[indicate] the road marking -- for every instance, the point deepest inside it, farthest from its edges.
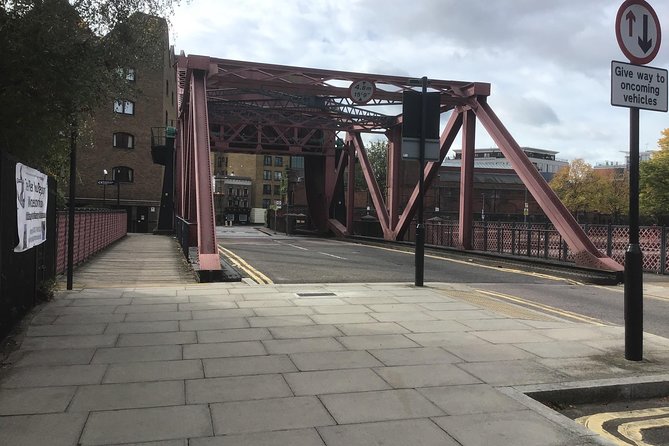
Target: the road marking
(295, 246)
(245, 266)
(496, 268)
(646, 294)
(633, 430)
(332, 255)
(630, 430)
(543, 307)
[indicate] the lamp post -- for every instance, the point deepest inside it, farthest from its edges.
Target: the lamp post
(483, 206)
(104, 189)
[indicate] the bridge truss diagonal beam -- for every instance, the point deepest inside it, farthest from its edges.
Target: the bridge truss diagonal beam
(585, 251)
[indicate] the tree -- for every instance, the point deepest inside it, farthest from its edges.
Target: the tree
(614, 194)
(60, 62)
(654, 184)
(578, 186)
(377, 154)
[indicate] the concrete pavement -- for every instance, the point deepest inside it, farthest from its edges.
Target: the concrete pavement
(302, 365)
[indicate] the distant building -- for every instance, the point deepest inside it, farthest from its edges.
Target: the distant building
(493, 158)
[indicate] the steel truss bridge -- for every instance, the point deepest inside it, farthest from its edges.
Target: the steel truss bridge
(235, 106)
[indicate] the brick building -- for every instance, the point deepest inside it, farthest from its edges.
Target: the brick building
(121, 146)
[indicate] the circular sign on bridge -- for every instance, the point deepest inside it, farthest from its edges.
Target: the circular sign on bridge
(638, 31)
(362, 91)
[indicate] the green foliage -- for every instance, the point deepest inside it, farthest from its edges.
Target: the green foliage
(582, 189)
(60, 63)
(654, 184)
(377, 154)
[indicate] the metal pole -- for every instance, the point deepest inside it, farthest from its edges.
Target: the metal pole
(420, 226)
(70, 218)
(104, 190)
(118, 189)
(633, 255)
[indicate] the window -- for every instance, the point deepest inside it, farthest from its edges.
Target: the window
(246, 191)
(278, 161)
(229, 192)
(267, 189)
(122, 174)
(124, 140)
(124, 107)
(127, 73)
(267, 161)
(265, 203)
(277, 190)
(245, 203)
(167, 87)
(277, 175)
(266, 174)
(297, 162)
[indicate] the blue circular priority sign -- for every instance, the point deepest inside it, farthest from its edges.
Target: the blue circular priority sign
(638, 31)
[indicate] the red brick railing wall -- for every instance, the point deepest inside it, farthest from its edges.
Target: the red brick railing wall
(94, 230)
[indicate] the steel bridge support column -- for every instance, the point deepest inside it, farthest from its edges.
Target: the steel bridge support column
(394, 136)
(204, 199)
(350, 199)
(467, 179)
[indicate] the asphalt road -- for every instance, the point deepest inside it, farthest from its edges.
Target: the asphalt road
(285, 259)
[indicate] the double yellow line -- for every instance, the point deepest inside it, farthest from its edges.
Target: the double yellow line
(242, 264)
(545, 308)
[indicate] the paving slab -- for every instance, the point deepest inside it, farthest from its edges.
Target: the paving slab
(287, 346)
(223, 350)
(334, 381)
(373, 328)
(143, 327)
(236, 388)
(161, 316)
(479, 352)
(214, 324)
(32, 430)
(470, 399)
(53, 375)
(522, 427)
(411, 376)
(421, 432)
(279, 321)
(137, 354)
(305, 331)
(376, 342)
(269, 415)
(249, 365)
(28, 401)
(144, 425)
(127, 396)
(296, 437)
(334, 360)
(58, 342)
(62, 330)
(510, 373)
(383, 405)
(154, 371)
(146, 339)
(233, 335)
(52, 357)
(414, 356)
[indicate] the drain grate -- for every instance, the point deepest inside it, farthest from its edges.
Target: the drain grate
(309, 295)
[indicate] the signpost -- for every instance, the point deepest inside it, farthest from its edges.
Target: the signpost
(420, 141)
(634, 86)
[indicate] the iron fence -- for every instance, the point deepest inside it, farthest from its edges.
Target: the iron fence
(541, 240)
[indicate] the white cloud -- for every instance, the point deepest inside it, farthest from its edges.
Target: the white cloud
(548, 61)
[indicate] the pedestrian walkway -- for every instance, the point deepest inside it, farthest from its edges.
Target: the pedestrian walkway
(136, 260)
(301, 365)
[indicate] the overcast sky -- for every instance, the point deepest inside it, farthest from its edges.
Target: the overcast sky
(548, 60)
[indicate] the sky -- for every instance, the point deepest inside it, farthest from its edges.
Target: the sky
(548, 61)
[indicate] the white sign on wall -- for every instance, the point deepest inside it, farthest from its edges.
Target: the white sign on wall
(638, 86)
(31, 203)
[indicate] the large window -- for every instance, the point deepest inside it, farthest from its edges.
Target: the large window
(123, 174)
(277, 175)
(278, 161)
(124, 140)
(267, 189)
(124, 107)
(267, 160)
(266, 174)
(297, 162)
(265, 203)
(277, 189)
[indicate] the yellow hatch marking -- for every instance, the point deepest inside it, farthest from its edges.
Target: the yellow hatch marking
(245, 266)
(630, 430)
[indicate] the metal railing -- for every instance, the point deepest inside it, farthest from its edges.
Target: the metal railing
(543, 241)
